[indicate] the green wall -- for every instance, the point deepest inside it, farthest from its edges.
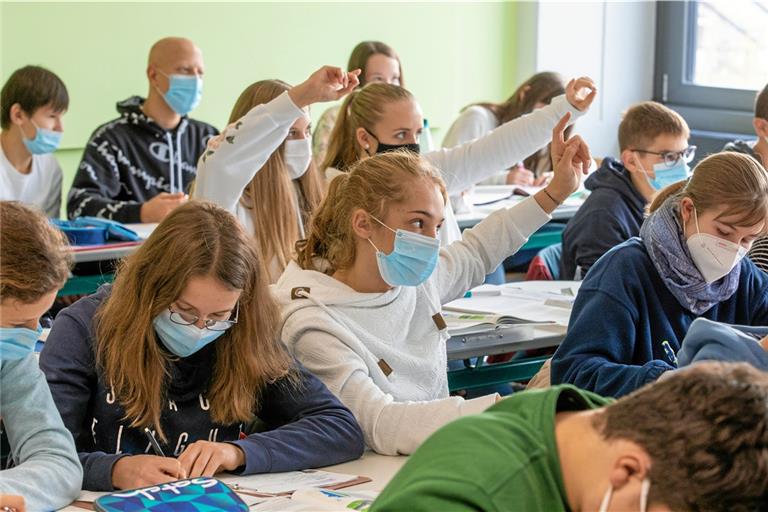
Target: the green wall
(452, 53)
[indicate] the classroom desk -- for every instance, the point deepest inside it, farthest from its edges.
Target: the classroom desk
(379, 468)
(472, 348)
(481, 194)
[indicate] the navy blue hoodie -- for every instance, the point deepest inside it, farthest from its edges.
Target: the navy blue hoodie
(298, 427)
(626, 327)
(612, 214)
(131, 159)
(714, 341)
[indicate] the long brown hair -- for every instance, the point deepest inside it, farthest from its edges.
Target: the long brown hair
(540, 88)
(34, 256)
(358, 59)
(362, 108)
(271, 195)
(371, 184)
(732, 179)
(196, 239)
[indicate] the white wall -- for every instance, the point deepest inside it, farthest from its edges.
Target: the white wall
(612, 42)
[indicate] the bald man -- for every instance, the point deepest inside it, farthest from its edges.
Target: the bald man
(137, 168)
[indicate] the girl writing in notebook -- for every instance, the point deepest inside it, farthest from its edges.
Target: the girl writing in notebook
(640, 298)
(260, 168)
(185, 344)
(384, 117)
(34, 263)
(361, 304)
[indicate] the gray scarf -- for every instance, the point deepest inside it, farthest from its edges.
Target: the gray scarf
(663, 238)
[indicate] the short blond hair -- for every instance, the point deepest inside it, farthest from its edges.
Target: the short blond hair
(643, 122)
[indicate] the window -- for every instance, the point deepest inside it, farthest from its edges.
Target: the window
(711, 58)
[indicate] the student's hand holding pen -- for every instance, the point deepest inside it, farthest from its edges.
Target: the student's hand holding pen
(143, 470)
(205, 458)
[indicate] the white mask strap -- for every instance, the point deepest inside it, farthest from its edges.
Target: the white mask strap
(373, 244)
(606, 500)
(644, 489)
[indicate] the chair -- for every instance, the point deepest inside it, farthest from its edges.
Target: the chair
(545, 266)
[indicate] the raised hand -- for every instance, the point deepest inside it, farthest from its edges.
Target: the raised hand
(577, 95)
(557, 147)
(328, 83)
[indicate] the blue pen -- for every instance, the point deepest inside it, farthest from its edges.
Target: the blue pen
(152, 441)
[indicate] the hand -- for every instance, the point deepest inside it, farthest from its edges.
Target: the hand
(328, 83)
(543, 179)
(12, 502)
(136, 471)
(520, 176)
(204, 458)
(157, 208)
(576, 95)
(557, 147)
(570, 168)
(764, 343)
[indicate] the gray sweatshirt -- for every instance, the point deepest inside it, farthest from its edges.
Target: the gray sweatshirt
(47, 471)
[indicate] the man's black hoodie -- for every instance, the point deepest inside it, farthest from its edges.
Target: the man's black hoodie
(131, 159)
(612, 214)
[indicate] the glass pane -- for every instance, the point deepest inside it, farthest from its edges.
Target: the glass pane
(731, 44)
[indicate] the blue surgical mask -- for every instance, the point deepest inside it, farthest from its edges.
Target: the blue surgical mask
(184, 93)
(44, 142)
(412, 261)
(182, 340)
(666, 176)
(18, 342)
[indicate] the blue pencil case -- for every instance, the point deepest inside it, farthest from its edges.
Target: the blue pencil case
(94, 231)
(191, 495)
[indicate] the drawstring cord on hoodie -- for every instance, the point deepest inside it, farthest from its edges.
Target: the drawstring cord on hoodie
(174, 163)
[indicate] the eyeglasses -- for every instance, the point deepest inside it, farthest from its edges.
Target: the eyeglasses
(671, 157)
(180, 318)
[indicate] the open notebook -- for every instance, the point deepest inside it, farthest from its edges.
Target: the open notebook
(546, 302)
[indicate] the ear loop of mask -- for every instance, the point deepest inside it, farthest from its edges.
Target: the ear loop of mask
(367, 152)
(389, 228)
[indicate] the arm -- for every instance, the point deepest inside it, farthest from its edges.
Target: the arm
(512, 142)
(47, 471)
(68, 363)
(390, 427)
(599, 344)
(97, 183)
(465, 263)
(233, 158)
(311, 429)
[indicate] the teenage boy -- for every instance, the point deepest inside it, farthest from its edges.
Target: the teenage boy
(692, 441)
(653, 141)
(137, 168)
(32, 103)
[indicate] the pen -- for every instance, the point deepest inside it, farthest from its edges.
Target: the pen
(155, 446)
(482, 293)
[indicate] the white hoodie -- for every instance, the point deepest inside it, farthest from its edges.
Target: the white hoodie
(351, 340)
(465, 165)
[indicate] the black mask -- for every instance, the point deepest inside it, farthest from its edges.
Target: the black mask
(388, 148)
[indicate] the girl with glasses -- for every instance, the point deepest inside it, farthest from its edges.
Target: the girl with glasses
(185, 345)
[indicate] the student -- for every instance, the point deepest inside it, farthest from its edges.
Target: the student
(481, 118)
(381, 118)
(136, 168)
(32, 103)
(563, 449)
(34, 263)
(185, 344)
(361, 304)
(378, 62)
(759, 253)
(260, 168)
(653, 141)
(758, 148)
(638, 300)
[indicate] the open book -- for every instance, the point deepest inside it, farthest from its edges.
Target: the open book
(463, 323)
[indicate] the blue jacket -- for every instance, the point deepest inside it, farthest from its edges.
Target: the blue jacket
(299, 428)
(626, 327)
(712, 341)
(612, 214)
